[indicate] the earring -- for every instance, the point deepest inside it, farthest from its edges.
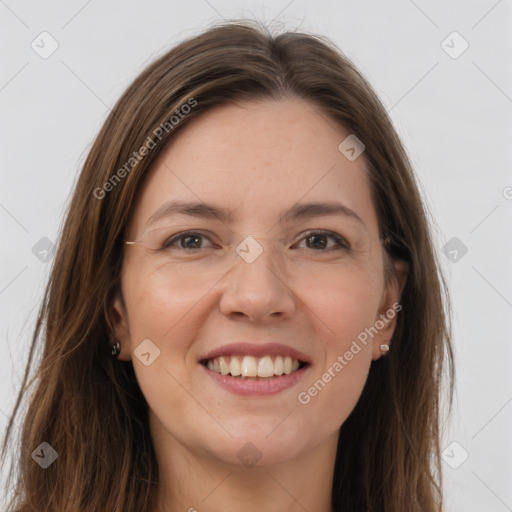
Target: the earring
(387, 242)
(116, 349)
(385, 349)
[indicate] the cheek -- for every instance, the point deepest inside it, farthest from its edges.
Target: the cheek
(331, 397)
(345, 302)
(160, 304)
(345, 306)
(162, 313)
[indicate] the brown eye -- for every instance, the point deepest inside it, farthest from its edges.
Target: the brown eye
(188, 240)
(318, 240)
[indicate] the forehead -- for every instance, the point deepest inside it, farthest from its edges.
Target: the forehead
(258, 159)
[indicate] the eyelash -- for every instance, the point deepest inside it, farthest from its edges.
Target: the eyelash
(341, 242)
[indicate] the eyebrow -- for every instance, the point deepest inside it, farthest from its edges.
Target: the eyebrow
(210, 211)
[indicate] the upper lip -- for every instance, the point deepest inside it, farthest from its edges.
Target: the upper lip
(256, 350)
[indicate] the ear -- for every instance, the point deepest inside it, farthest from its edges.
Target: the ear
(119, 323)
(386, 319)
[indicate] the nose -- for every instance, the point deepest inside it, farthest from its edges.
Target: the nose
(257, 286)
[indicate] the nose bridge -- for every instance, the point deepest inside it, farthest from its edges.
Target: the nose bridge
(255, 285)
(252, 247)
(260, 257)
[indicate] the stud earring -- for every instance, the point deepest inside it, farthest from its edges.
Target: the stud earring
(116, 349)
(385, 349)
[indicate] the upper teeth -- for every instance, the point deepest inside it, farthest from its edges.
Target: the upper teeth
(249, 366)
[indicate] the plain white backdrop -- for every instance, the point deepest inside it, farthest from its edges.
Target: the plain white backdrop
(443, 71)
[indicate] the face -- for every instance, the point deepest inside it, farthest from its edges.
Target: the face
(253, 292)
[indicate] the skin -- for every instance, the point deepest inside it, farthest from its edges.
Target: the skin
(259, 159)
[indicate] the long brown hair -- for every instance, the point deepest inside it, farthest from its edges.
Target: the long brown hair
(88, 406)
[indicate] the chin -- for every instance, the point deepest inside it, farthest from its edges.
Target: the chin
(264, 444)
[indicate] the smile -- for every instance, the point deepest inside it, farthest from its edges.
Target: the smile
(255, 369)
(250, 367)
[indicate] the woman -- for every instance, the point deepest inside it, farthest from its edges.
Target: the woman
(245, 310)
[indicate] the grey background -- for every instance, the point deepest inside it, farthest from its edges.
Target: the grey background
(453, 114)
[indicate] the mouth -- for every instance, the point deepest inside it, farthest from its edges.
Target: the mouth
(255, 369)
(246, 367)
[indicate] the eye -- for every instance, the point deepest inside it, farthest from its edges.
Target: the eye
(191, 240)
(317, 240)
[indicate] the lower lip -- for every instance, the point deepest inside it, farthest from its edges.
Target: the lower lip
(247, 387)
